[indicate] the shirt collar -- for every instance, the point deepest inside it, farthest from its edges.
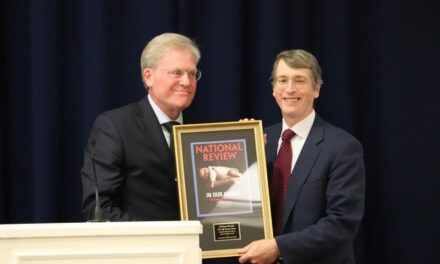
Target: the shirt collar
(303, 127)
(161, 116)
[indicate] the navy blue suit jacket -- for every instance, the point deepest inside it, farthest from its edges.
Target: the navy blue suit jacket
(134, 167)
(325, 197)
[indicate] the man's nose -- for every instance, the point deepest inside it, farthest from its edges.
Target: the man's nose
(185, 79)
(291, 86)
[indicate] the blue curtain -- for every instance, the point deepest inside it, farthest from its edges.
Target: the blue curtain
(64, 62)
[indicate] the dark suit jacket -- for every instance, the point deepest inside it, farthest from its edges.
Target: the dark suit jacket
(325, 196)
(134, 167)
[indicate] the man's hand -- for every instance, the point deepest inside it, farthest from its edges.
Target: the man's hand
(264, 251)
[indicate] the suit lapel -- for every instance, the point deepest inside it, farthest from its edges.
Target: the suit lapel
(273, 135)
(304, 165)
(149, 125)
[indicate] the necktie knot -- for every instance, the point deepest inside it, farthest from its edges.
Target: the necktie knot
(287, 134)
(169, 125)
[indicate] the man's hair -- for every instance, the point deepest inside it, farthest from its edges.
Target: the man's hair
(159, 45)
(299, 59)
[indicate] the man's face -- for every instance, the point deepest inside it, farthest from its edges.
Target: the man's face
(170, 93)
(294, 92)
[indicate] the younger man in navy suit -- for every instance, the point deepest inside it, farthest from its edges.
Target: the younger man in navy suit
(318, 215)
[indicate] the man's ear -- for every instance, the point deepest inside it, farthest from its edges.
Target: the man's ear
(317, 90)
(147, 76)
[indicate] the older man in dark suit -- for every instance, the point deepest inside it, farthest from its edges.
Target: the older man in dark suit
(316, 171)
(130, 145)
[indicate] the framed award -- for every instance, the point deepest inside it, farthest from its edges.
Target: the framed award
(222, 182)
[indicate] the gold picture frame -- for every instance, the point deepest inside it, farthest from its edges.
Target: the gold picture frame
(222, 182)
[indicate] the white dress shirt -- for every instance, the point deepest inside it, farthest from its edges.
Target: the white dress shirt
(163, 118)
(302, 130)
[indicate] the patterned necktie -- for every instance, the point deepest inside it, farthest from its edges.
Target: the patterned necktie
(280, 179)
(169, 126)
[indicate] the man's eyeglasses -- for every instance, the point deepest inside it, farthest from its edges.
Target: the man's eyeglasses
(193, 75)
(283, 82)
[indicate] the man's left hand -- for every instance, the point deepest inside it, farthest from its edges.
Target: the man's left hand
(264, 251)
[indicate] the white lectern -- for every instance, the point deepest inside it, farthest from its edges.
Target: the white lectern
(104, 243)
